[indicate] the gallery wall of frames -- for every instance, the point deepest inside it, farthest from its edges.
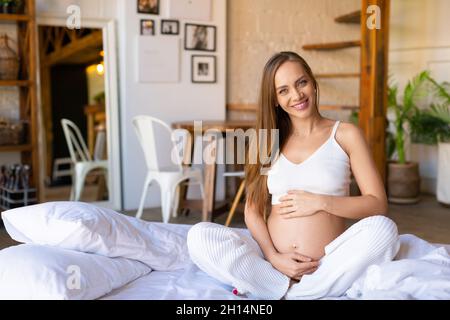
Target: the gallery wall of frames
(200, 38)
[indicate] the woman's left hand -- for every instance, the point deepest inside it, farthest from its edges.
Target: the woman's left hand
(299, 203)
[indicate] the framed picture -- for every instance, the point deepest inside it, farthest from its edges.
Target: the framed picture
(148, 6)
(203, 69)
(147, 27)
(170, 27)
(199, 37)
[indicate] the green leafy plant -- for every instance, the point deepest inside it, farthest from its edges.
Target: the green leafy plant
(428, 128)
(441, 109)
(405, 111)
(433, 125)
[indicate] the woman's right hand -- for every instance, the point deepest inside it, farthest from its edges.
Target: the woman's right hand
(293, 264)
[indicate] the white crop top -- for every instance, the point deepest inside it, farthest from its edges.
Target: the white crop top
(326, 171)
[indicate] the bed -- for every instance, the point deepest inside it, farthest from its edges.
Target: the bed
(123, 258)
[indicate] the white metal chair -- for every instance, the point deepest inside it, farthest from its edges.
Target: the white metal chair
(82, 160)
(168, 178)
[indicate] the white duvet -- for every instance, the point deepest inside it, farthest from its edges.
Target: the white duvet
(420, 271)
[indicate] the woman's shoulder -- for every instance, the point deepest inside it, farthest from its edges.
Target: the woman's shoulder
(347, 134)
(344, 128)
(348, 128)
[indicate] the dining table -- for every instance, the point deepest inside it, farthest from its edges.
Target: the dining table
(209, 207)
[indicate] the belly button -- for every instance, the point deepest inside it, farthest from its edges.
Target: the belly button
(294, 246)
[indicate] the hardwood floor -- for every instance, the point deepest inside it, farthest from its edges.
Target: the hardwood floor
(428, 219)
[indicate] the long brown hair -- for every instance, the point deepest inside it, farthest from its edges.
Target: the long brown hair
(270, 117)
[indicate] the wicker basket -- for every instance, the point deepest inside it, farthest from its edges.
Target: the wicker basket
(9, 60)
(12, 133)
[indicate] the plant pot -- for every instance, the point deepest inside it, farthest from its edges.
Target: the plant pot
(403, 183)
(443, 176)
(427, 158)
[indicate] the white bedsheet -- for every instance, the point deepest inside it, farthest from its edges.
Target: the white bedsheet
(423, 272)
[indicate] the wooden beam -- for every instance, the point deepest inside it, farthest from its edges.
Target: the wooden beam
(336, 75)
(332, 45)
(46, 101)
(242, 107)
(252, 107)
(14, 17)
(92, 40)
(352, 17)
(14, 83)
(373, 85)
(32, 74)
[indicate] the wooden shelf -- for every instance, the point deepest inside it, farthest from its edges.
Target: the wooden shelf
(242, 107)
(352, 17)
(337, 107)
(14, 83)
(252, 107)
(26, 40)
(14, 17)
(16, 148)
(337, 75)
(332, 45)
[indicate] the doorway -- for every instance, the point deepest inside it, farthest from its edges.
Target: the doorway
(78, 82)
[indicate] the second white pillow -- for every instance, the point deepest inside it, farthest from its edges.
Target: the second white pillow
(30, 271)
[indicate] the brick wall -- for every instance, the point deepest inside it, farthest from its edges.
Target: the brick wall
(259, 28)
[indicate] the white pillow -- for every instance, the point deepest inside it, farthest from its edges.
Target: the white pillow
(88, 228)
(30, 271)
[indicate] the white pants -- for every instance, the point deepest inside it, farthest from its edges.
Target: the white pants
(236, 259)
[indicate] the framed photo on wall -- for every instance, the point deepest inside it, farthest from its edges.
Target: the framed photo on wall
(199, 37)
(147, 27)
(203, 69)
(170, 27)
(148, 6)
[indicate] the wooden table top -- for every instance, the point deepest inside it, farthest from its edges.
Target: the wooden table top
(215, 124)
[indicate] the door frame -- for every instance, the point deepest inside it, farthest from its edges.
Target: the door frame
(109, 34)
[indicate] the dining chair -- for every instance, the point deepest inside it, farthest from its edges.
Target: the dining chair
(168, 177)
(81, 158)
(238, 196)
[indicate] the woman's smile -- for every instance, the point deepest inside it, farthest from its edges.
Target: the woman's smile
(302, 105)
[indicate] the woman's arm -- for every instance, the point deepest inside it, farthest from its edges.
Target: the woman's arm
(258, 228)
(373, 200)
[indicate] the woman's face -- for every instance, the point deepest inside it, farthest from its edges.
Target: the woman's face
(295, 90)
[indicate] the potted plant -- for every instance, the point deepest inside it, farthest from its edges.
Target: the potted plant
(403, 176)
(441, 110)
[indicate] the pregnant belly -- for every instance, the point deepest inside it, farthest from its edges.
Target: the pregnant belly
(306, 235)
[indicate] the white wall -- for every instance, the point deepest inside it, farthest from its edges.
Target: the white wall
(92, 9)
(170, 102)
(167, 101)
(419, 41)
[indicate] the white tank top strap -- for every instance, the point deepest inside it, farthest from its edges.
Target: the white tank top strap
(333, 133)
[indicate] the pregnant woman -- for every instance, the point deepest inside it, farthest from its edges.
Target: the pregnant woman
(296, 209)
